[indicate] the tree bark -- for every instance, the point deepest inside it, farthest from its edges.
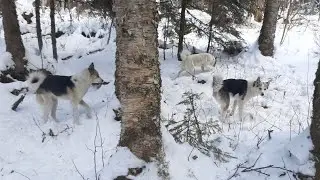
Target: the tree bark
(315, 122)
(267, 33)
(137, 75)
(110, 30)
(213, 4)
(38, 25)
(13, 39)
(182, 26)
(53, 30)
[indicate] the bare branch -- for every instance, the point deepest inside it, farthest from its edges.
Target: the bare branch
(78, 170)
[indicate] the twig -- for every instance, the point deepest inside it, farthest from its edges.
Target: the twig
(284, 165)
(269, 133)
(102, 83)
(249, 169)
(95, 152)
(260, 140)
(255, 169)
(78, 170)
(95, 148)
(65, 129)
(13, 171)
(43, 133)
(254, 164)
(101, 143)
(190, 153)
(236, 172)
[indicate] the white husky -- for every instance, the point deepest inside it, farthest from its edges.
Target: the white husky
(48, 88)
(190, 61)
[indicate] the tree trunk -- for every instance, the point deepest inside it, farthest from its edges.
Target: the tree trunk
(267, 33)
(38, 25)
(213, 4)
(13, 39)
(315, 123)
(66, 4)
(137, 75)
(182, 26)
(53, 30)
(110, 30)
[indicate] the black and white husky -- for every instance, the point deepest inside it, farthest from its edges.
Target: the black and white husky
(241, 90)
(48, 88)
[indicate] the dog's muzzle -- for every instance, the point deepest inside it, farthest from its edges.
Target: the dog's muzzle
(96, 85)
(262, 94)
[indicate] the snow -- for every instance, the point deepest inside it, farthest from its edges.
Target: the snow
(6, 61)
(285, 109)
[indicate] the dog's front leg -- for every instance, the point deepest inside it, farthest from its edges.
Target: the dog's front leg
(88, 109)
(54, 109)
(235, 102)
(202, 68)
(75, 113)
(47, 104)
(46, 111)
(179, 73)
(241, 104)
(224, 110)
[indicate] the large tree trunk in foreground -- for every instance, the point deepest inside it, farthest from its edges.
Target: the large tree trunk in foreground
(13, 39)
(53, 30)
(315, 123)
(267, 33)
(137, 75)
(182, 26)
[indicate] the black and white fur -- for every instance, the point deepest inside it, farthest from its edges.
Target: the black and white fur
(190, 61)
(240, 89)
(48, 88)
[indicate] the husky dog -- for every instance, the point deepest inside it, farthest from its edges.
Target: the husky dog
(48, 88)
(241, 90)
(190, 61)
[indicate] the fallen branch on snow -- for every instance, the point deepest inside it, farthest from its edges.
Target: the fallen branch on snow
(16, 104)
(17, 92)
(296, 175)
(88, 53)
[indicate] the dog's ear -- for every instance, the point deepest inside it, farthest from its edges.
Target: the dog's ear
(257, 82)
(91, 68)
(258, 79)
(268, 83)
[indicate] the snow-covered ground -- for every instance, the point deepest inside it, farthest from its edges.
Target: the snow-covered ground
(27, 150)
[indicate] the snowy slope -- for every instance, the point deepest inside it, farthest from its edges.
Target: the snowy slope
(25, 153)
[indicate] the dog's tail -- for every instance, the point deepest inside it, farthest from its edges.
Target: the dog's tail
(34, 81)
(217, 83)
(184, 54)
